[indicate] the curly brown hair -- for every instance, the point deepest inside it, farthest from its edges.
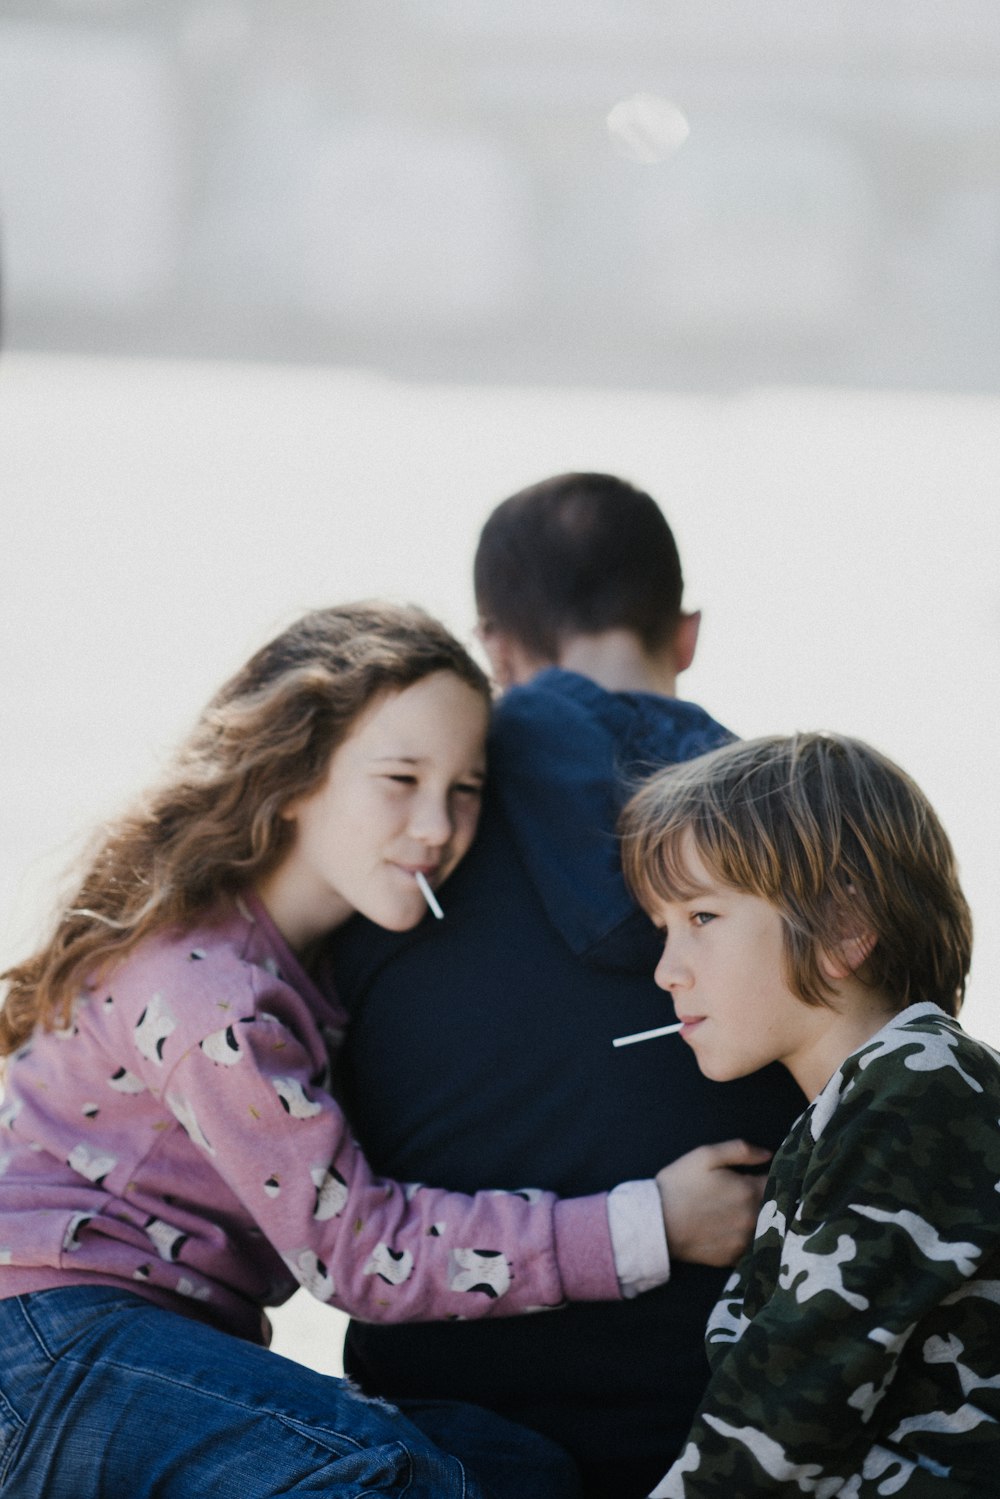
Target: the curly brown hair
(214, 824)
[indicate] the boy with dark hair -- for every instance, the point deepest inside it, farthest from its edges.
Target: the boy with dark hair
(578, 555)
(811, 914)
(480, 1048)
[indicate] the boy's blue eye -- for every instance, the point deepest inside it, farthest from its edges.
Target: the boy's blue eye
(702, 918)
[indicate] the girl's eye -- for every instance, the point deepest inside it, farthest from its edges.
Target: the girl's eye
(702, 918)
(470, 788)
(402, 780)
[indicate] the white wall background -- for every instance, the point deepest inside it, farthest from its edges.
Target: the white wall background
(160, 520)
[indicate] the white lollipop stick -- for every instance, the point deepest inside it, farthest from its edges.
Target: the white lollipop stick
(428, 895)
(661, 1030)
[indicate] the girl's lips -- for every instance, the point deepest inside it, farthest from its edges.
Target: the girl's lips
(689, 1024)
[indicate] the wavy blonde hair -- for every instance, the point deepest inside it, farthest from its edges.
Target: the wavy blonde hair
(831, 833)
(214, 825)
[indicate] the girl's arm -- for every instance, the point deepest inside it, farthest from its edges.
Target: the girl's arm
(381, 1251)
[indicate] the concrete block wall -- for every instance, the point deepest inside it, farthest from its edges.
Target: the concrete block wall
(429, 186)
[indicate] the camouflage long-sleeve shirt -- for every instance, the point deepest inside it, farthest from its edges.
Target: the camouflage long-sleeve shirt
(856, 1351)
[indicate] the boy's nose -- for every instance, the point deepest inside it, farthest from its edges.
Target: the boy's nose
(669, 972)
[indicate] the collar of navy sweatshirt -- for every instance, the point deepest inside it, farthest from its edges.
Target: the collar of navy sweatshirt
(564, 755)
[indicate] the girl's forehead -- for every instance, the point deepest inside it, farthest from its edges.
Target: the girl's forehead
(438, 713)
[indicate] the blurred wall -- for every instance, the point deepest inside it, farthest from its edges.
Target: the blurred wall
(430, 187)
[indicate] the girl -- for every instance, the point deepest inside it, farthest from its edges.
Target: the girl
(171, 1158)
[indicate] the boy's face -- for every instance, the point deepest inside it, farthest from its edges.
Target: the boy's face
(723, 963)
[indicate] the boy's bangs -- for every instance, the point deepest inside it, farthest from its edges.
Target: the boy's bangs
(661, 869)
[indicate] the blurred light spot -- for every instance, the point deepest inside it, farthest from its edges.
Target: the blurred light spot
(647, 128)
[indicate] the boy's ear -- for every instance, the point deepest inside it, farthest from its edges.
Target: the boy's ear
(686, 640)
(846, 956)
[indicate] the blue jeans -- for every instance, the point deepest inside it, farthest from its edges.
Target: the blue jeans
(105, 1396)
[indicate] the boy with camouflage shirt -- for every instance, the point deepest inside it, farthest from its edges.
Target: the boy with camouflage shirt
(812, 915)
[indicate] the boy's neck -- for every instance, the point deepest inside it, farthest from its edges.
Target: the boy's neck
(617, 661)
(856, 1015)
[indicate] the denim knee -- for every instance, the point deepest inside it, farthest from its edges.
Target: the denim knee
(104, 1394)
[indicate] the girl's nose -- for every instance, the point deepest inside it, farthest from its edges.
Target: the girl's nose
(431, 823)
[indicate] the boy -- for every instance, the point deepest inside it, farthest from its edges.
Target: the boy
(480, 1046)
(812, 915)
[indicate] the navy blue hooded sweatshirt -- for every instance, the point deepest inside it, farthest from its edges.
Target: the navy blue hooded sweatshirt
(479, 1055)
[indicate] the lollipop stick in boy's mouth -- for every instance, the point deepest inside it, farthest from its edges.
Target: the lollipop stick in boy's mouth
(661, 1030)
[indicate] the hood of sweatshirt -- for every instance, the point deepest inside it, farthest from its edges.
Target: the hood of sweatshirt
(564, 756)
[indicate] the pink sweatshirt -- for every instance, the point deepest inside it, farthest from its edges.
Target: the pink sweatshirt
(178, 1139)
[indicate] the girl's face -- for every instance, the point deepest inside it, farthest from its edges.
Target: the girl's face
(402, 794)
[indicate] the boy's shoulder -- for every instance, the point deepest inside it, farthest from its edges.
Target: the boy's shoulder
(923, 1040)
(922, 1055)
(576, 715)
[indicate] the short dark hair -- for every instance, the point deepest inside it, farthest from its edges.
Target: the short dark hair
(576, 555)
(831, 833)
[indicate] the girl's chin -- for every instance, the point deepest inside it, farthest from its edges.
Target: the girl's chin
(396, 919)
(402, 923)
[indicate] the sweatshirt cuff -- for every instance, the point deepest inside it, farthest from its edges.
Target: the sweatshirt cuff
(638, 1237)
(584, 1252)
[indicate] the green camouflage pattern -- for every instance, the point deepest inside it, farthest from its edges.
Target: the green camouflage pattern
(856, 1351)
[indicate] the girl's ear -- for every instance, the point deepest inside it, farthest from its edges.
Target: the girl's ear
(846, 956)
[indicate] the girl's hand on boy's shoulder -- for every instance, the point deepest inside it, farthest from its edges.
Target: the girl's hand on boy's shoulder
(710, 1201)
